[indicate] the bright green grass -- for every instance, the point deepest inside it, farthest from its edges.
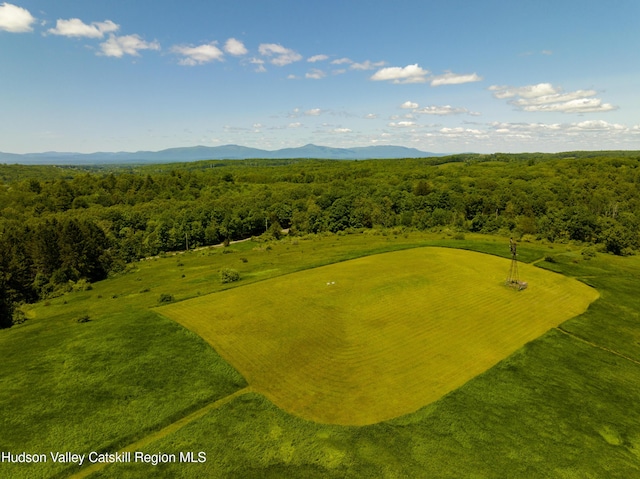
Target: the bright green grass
(556, 408)
(75, 386)
(373, 338)
(68, 386)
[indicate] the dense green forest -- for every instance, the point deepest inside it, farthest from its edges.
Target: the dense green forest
(63, 228)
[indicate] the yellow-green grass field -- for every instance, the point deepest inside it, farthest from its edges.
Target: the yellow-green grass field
(373, 338)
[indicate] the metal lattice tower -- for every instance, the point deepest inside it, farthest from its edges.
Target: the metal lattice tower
(514, 279)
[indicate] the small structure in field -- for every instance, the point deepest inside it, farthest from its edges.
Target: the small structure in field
(513, 280)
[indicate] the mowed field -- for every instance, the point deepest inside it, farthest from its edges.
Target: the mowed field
(370, 339)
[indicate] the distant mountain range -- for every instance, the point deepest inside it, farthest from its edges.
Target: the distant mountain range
(226, 152)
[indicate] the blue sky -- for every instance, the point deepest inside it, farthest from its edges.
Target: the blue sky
(452, 76)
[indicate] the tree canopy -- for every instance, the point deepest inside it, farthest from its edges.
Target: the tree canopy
(59, 226)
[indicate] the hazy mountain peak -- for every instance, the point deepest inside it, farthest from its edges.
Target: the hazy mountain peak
(223, 152)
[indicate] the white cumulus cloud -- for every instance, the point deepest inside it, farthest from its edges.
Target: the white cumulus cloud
(313, 112)
(198, 55)
(342, 130)
(597, 125)
(544, 97)
(408, 74)
(15, 19)
(126, 45)
(450, 78)
(581, 105)
(278, 54)
(74, 27)
(342, 61)
(235, 47)
(556, 98)
(409, 105)
(529, 91)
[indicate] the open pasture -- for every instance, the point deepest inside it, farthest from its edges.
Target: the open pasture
(373, 338)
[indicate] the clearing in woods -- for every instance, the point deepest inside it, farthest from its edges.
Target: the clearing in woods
(373, 338)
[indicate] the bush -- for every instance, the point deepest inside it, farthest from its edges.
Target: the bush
(80, 285)
(228, 275)
(18, 316)
(165, 298)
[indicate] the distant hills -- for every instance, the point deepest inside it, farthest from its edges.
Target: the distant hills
(226, 152)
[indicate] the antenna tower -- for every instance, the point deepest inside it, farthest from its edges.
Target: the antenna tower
(514, 280)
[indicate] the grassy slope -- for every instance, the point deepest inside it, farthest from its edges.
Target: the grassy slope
(388, 334)
(556, 408)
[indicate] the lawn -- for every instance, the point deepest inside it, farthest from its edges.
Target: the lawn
(560, 406)
(373, 338)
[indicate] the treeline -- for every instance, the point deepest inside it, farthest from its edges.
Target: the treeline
(64, 228)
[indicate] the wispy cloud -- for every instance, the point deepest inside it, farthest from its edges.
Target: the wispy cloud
(260, 68)
(441, 110)
(542, 52)
(15, 19)
(366, 65)
(450, 78)
(199, 55)
(544, 97)
(342, 61)
(74, 27)
(315, 74)
(460, 131)
(402, 124)
(317, 58)
(297, 112)
(408, 74)
(126, 45)
(279, 55)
